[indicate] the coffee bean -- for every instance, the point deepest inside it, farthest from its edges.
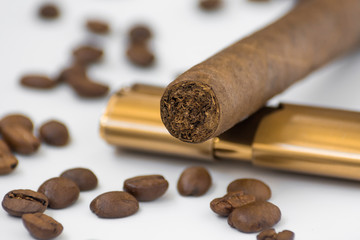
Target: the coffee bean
(249, 186)
(74, 73)
(97, 26)
(270, 234)
(49, 11)
(140, 55)
(42, 226)
(139, 34)
(61, 192)
(116, 204)
(225, 205)
(8, 161)
(254, 217)
(17, 119)
(54, 133)
(87, 54)
(285, 235)
(21, 201)
(83, 177)
(37, 81)
(194, 181)
(89, 89)
(210, 4)
(20, 139)
(146, 188)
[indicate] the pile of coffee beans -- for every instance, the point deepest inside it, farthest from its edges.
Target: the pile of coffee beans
(248, 210)
(138, 50)
(57, 193)
(17, 132)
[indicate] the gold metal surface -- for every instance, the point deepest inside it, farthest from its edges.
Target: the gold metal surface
(310, 140)
(132, 121)
(293, 138)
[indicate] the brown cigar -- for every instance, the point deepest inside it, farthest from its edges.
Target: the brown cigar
(214, 95)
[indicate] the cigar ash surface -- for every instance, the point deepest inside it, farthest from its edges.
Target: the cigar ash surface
(190, 111)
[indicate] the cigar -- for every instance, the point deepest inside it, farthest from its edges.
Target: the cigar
(293, 138)
(214, 95)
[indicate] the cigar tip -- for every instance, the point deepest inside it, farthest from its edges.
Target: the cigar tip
(190, 111)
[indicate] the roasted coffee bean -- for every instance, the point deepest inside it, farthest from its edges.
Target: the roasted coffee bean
(210, 4)
(54, 133)
(87, 54)
(42, 226)
(225, 205)
(268, 234)
(140, 55)
(74, 73)
(194, 181)
(285, 235)
(49, 11)
(21, 201)
(249, 186)
(17, 119)
(139, 34)
(8, 161)
(89, 89)
(97, 26)
(116, 204)
(254, 217)
(83, 177)
(20, 139)
(37, 81)
(146, 188)
(61, 192)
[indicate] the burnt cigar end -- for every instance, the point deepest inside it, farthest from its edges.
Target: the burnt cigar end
(190, 111)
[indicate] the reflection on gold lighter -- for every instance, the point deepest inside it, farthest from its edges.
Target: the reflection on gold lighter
(291, 137)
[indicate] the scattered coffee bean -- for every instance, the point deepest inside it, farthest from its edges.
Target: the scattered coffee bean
(49, 11)
(20, 139)
(254, 187)
(89, 89)
(21, 201)
(54, 133)
(254, 217)
(285, 235)
(61, 192)
(97, 26)
(210, 4)
(42, 226)
(225, 205)
(17, 119)
(83, 177)
(140, 55)
(146, 188)
(87, 54)
(74, 73)
(8, 161)
(37, 81)
(268, 234)
(140, 34)
(194, 181)
(116, 204)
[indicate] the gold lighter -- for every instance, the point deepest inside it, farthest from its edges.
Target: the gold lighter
(290, 137)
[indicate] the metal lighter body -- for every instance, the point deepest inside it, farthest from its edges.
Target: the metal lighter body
(290, 137)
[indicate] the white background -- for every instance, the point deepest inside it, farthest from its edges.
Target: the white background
(312, 207)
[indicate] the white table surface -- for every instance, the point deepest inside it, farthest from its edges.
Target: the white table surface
(313, 207)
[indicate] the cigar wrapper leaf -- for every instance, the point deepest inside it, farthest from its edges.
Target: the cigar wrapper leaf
(214, 95)
(294, 138)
